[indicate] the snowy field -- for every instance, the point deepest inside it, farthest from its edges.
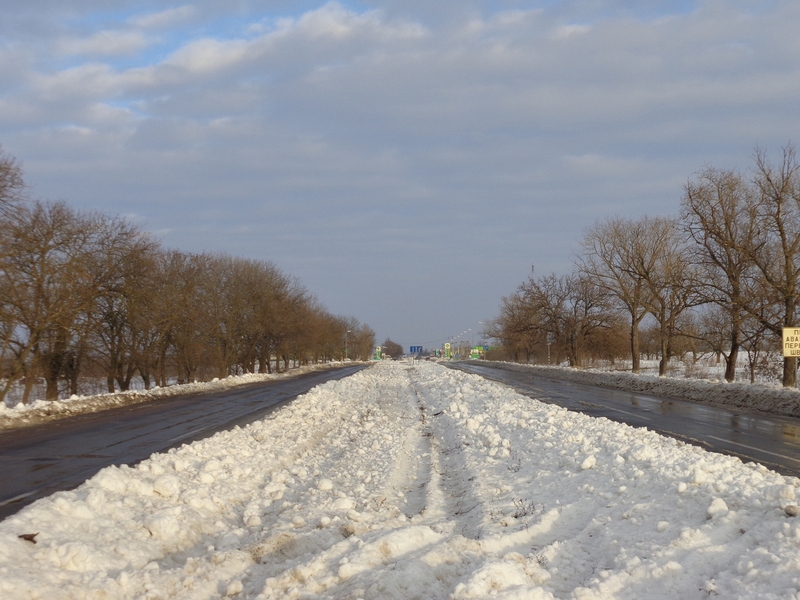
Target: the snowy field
(415, 481)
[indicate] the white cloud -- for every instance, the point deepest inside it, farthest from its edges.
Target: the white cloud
(567, 31)
(164, 18)
(77, 130)
(104, 43)
(518, 123)
(90, 81)
(208, 55)
(598, 164)
(517, 18)
(313, 40)
(333, 21)
(109, 115)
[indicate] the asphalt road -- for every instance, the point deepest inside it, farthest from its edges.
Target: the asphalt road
(773, 441)
(60, 455)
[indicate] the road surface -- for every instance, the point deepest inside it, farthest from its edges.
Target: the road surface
(773, 441)
(40, 460)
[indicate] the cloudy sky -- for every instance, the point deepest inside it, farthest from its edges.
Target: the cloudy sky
(409, 161)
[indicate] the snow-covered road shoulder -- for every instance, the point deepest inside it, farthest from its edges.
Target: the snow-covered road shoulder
(415, 481)
(43, 411)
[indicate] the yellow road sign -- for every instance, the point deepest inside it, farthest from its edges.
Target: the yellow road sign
(791, 341)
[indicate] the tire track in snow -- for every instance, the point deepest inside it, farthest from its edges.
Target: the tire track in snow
(450, 489)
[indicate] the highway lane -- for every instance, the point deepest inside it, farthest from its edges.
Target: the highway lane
(771, 440)
(40, 460)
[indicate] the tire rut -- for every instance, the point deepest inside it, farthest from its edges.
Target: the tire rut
(450, 490)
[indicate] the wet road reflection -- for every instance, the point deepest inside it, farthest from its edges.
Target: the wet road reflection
(771, 440)
(38, 461)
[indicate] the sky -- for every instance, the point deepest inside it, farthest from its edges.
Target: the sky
(408, 161)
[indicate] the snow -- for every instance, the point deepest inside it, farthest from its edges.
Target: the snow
(41, 411)
(750, 397)
(415, 481)
(742, 396)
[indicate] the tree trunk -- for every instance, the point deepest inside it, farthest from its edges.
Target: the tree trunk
(662, 363)
(789, 371)
(52, 371)
(124, 377)
(26, 394)
(730, 361)
(29, 376)
(161, 377)
(634, 345)
(51, 391)
(574, 354)
(74, 371)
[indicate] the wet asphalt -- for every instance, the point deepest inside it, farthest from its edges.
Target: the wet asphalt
(40, 460)
(771, 440)
(37, 461)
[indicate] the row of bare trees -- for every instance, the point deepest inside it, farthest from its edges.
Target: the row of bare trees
(724, 275)
(84, 293)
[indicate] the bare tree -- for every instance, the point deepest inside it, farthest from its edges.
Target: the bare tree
(392, 349)
(173, 277)
(13, 350)
(300, 327)
(361, 341)
(75, 286)
(616, 256)
(610, 343)
(11, 184)
(270, 302)
(589, 312)
(756, 343)
(544, 302)
(566, 311)
(516, 328)
(776, 252)
(190, 336)
(718, 212)
(11, 187)
(663, 263)
(51, 259)
(122, 320)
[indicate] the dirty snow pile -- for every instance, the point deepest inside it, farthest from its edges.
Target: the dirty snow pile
(415, 481)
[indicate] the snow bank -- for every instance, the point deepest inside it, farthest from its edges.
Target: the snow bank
(42, 411)
(415, 482)
(747, 396)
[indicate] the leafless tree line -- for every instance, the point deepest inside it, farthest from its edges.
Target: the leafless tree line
(85, 293)
(721, 276)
